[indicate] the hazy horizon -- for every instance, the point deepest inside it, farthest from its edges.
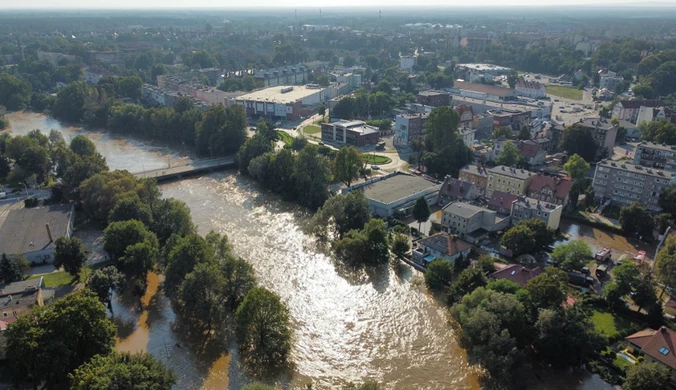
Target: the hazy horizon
(216, 4)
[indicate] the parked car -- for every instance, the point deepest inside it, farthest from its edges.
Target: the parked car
(586, 271)
(375, 167)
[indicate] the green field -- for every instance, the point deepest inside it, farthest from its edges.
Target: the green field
(564, 92)
(312, 129)
(284, 137)
(374, 159)
(61, 278)
(611, 324)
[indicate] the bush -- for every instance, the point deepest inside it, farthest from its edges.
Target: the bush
(31, 202)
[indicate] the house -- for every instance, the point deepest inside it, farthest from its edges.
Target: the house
(550, 189)
(456, 189)
(475, 174)
(604, 134)
(32, 232)
(440, 246)
(608, 80)
(498, 146)
(652, 114)
(434, 98)
(466, 113)
(355, 133)
(628, 109)
(471, 222)
(533, 153)
(517, 274)
(528, 208)
(502, 202)
(531, 89)
(395, 194)
(507, 179)
(17, 299)
(467, 136)
(656, 346)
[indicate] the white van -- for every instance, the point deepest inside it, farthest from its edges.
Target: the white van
(3, 195)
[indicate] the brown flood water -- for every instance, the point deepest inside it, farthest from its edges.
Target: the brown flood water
(379, 323)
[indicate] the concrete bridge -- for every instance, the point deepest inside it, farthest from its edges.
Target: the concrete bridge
(193, 168)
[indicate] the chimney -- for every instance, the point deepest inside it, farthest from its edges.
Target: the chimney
(49, 233)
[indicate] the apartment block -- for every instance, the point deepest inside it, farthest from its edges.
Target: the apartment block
(409, 127)
(654, 155)
(604, 134)
(528, 208)
(434, 98)
(623, 184)
(512, 180)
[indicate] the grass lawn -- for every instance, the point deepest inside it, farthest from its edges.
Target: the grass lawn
(621, 363)
(611, 324)
(371, 159)
(564, 92)
(312, 129)
(284, 137)
(61, 278)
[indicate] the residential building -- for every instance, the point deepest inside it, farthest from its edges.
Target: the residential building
(498, 146)
(528, 208)
(407, 63)
(466, 113)
(622, 184)
(609, 80)
(514, 119)
(482, 91)
(440, 246)
(550, 189)
(652, 114)
(476, 175)
(483, 123)
(604, 134)
(531, 89)
(281, 102)
(32, 232)
(409, 127)
(17, 299)
(434, 98)
(471, 222)
(533, 153)
(507, 179)
(502, 202)
(628, 109)
(456, 189)
(656, 346)
(93, 74)
(516, 273)
(285, 75)
(395, 194)
(467, 135)
(654, 155)
(355, 133)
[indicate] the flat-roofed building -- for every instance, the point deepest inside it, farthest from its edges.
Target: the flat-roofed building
(355, 133)
(507, 179)
(394, 195)
(281, 102)
(604, 134)
(409, 127)
(623, 184)
(471, 222)
(654, 155)
(284, 75)
(482, 91)
(528, 208)
(434, 98)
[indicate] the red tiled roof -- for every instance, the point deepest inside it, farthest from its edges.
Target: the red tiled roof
(455, 187)
(530, 148)
(502, 199)
(517, 274)
(445, 244)
(559, 187)
(658, 344)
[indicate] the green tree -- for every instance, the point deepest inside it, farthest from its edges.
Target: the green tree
(10, 271)
(263, 329)
(83, 146)
(200, 294)
(139, 259)
(509, 155)
(667, 200)
(71, 254)
(171, 216)
(439, 274)
(311, 174)
(71, 101)
(129, 208)
(572, 255)
(547, 290)
(512, 79)
(240, 279)
(118, 236)
(100, 193)
(221, 131)
(468, 280)
(400, 246)
(576, 167)
(665, 263)
(321, 110)
(15, 93)
(122, 371)
(57, 339)
(519, 239)
(421, 211)
(258, 386)
(344, 212)
(636, 220)
(503, 131)
(662, 131)
(579, 140)
(182, 258)
(647, 376)
(347, 165)
(104, 282)
(524, 133)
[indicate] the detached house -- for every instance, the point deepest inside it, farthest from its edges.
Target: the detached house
(550, 189)
(440, 246)
(656, 346)
(532, 151)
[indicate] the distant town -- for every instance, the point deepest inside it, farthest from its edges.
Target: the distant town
(338, 199)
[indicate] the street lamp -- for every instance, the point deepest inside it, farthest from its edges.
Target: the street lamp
(26, 187)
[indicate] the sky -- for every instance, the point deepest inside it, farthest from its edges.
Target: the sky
(121, 4)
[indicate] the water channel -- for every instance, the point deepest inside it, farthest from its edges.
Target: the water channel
(379, 323)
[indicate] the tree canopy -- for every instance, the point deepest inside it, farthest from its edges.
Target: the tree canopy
(122, 371)
(578, 140)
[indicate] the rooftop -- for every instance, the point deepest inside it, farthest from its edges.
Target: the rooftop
(639, 103)
(475, 170)
(18, 287)
(628, 167)
(561, 188)
(531, 203)
(431, 93)
(658, 344)
(529, 148)
(511, 172)
(484, 67)
(357, 126)
(528, 84)
(24, 229)
(463, 210)
(455, 187)
(483, 88)
(656, 146)
(445, 244)
(397, 187)
(596, 123)
(502, 199)
(275, 95)
(517, 274)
